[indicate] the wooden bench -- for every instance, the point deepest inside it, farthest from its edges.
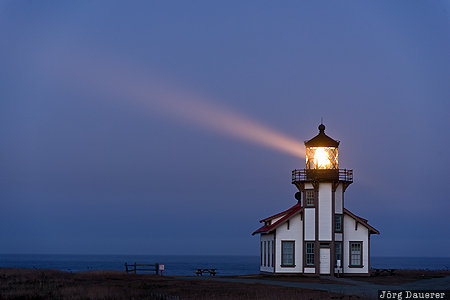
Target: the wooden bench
(381, 271)
(142, 267)
(211, 272)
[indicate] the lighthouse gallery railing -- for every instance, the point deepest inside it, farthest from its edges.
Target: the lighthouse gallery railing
(299, 175)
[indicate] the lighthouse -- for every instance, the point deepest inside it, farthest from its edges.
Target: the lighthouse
(318, 235)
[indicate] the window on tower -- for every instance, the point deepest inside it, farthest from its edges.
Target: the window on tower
(338, 223)
(310, 197)
(309, 253)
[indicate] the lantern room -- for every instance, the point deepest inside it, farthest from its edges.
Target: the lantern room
(322, 151)
(322, 163)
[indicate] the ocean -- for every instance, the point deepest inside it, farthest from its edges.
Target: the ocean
(187, 265)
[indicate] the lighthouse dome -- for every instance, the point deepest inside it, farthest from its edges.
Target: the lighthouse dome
(322, 140)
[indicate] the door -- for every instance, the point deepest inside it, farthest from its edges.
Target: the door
(324, 260)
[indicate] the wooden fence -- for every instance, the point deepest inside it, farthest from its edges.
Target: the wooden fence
(144, 267)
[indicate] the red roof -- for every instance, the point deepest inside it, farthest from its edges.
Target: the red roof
(289, 213)
(297, 208)
(362, 221)
(279, 214)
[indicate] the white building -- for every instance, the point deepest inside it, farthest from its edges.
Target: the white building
(317, 236)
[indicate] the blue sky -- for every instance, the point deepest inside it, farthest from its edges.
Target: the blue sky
(106, 146)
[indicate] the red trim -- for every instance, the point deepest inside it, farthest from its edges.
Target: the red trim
(294, 209)
(362, 221)
(289, 212)
(279, 214)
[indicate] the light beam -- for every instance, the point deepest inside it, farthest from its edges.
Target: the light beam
(120, 80)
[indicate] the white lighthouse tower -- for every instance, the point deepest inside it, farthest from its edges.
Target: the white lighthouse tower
(317, 236)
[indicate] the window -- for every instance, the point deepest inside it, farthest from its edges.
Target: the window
(268, 253)
(355, 254)
(310, 197)
(261, 253)
(273, 253)
(265, 252)
(338, 253)
(287, 253)
(338, 223)
(288, 225)
(309, 253)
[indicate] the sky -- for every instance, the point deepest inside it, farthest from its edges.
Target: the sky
(172, 127)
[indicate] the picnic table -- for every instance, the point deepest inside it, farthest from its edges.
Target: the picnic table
(211, 272)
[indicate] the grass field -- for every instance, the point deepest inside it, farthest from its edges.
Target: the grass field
(399, 277)
(50, 284)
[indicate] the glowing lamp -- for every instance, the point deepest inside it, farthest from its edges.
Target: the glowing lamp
(322, 151)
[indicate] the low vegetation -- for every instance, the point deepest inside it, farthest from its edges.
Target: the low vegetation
(50, 284)
(403, 276)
